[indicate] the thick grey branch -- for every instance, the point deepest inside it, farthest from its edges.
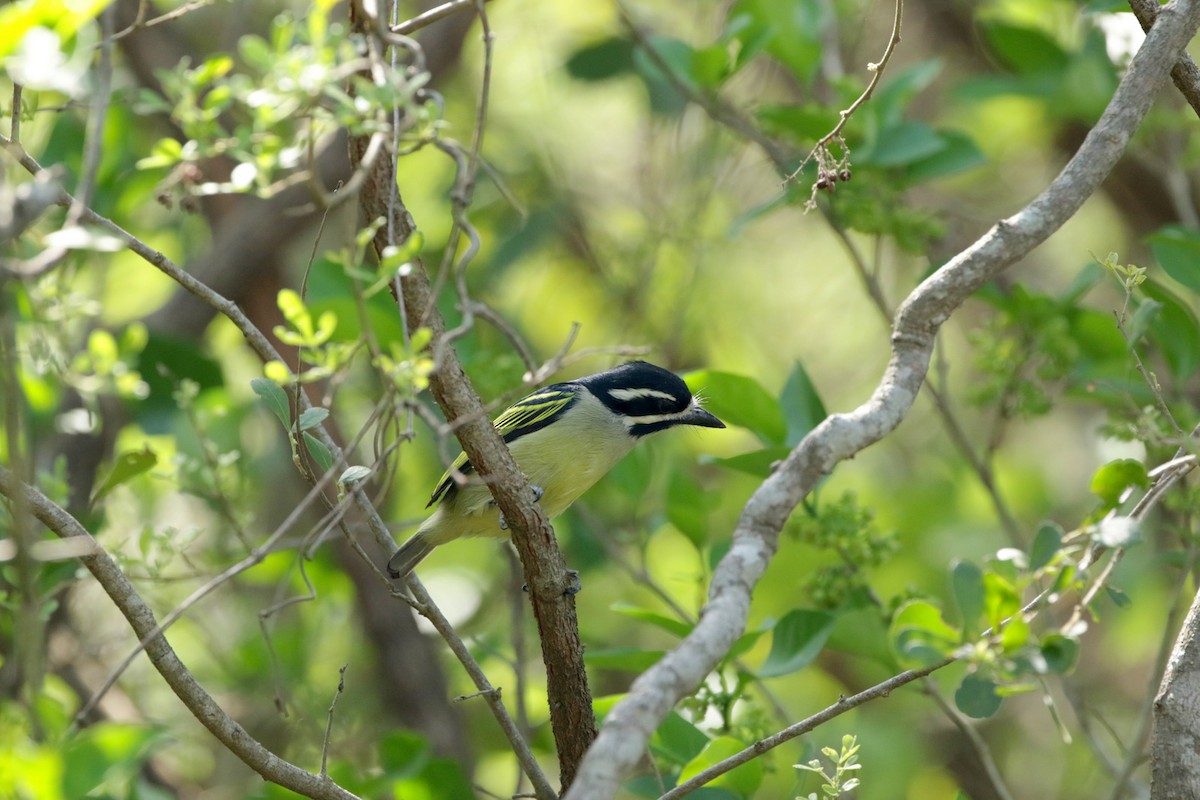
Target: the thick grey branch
(623, 738)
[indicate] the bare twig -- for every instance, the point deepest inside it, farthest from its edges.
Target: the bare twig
(426, 18)
(341, 687)
(802, 727)
(877, 70)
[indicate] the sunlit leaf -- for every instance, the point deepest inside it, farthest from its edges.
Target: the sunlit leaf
(126, 467)
(742, 401)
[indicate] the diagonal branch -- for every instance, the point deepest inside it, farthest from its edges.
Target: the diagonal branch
(623, 738)
(236, 738)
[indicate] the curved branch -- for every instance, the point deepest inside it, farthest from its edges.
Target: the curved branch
(231, 734)
(623, 737)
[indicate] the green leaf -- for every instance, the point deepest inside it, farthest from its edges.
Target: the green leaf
(629, 659)
(126, 467)
(671, 625)
(1000, 599)
(276, 399)
(976, 697)
(1175, 330)
(319, 452)
(920, 634)
(1111, 480)
(899, 145)
(105, 752)
(1061, 652)
(403, 754)
(790, 30)
(1046, 544)
(759, 463)
(677, 740)
(743, 779)
(601, 61)
(1119, 598)
(311, 418)
(354, 473)
(967, 580)
(687, 507)
(958, 153)
(1026, 51)
(796, 640)
(802, 406)
(745, 642)
(665, 98)
(1177, 250)
(742, 401)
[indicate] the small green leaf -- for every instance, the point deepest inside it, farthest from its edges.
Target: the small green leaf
(677, 740)
(743, 780)
(919, 633)
(126, 467)
(901, 144)
(671, 625)
(1000, 599)
(759, 463)
(403, 754)
(976, 697)
(1046, 544)
(801, 404)
(687, 507)
(311, 418)
(355, 473)
(319, 452)
(1175, 330)
(796, 640)
(629, 659)
(601, 60)
(276, 399)
(1177, 250)
(967, 581)
(1061, 652)
(742, 401)
(1025, 50)
(1118, 597)
(1111, 480)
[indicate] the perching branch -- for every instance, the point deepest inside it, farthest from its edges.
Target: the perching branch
(627, 728)
(571, 715)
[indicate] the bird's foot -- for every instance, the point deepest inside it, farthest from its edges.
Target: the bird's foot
(538, 492)
(573, 587)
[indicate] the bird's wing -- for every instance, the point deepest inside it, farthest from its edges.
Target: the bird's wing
(531, 413)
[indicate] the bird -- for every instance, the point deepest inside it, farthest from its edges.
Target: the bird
(564, 437)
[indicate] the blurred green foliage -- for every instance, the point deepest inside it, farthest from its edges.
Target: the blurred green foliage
(613, 200)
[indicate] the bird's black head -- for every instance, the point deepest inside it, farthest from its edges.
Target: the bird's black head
(648, 398)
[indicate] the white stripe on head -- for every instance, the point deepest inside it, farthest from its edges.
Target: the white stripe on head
(639, 394)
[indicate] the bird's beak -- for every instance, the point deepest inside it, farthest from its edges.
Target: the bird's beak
(698, 416)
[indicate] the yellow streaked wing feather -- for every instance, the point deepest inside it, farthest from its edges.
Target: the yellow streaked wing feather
(530, 413)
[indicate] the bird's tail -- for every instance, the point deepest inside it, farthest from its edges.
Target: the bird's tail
(409, 555)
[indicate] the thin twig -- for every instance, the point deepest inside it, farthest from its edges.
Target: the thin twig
(426, 18)
(844, 115)
(341, 687)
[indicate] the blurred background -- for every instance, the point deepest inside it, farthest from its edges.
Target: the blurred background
(631, 186)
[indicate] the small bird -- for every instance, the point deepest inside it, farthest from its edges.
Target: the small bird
(564, 437)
